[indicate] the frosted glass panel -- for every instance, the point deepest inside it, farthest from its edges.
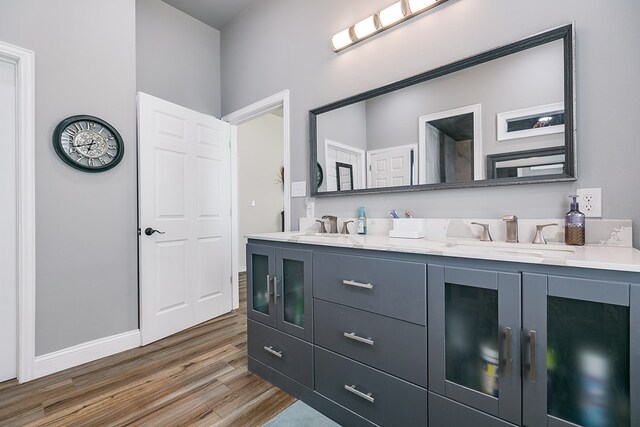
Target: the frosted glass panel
(293, 292)
(471, 337)
(588, 362)
(260, 271)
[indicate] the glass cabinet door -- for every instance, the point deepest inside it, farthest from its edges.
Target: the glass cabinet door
(260, 277)
(580, 352)
(293, 292)
(478, 365)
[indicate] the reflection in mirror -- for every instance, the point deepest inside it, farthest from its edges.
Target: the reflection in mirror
(498, 116)
(451, 146)
(344, 176)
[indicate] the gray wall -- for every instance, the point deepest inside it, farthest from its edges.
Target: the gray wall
(85, 223)
(178, 57)
(285, 44)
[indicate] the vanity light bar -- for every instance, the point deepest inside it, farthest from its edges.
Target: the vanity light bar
(378, 22)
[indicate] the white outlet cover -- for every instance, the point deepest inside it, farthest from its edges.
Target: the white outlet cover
(299, 189)
(590, 200)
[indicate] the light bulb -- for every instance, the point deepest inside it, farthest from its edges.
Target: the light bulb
(341, 39)
(366, 27)
(391, 14)
(418, 5)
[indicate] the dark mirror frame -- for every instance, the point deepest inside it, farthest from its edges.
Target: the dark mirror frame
(565, 33)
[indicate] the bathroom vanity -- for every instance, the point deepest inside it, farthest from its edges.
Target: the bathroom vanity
(377, 331)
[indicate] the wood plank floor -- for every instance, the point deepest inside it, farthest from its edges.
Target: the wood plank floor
(197, 377)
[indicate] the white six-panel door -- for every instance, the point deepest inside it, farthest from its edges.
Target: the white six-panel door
(391, 167)
(184, 170)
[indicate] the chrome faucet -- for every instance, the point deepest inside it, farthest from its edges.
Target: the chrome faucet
(333, 223)
(512, 228)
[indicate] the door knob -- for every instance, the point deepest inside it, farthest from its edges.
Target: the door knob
(149, 231)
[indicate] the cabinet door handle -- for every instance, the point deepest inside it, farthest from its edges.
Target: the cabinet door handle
(507, 352)
(532, 355)
(269, 289)
(272, 351)
(352, 389)
(353, 336)
(275, 285)
(358, 284)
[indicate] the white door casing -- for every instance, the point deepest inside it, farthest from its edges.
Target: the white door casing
(8, 276)
(478, 156)
(185, 192)
(23, 228)
(392, 167)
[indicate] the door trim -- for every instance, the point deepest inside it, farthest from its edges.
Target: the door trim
(252, 111)
(24, 61)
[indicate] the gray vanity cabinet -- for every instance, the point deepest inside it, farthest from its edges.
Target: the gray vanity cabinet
(474, 347)
(279, 289)
(581, 352)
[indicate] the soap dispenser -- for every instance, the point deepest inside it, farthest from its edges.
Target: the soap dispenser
(574, 229)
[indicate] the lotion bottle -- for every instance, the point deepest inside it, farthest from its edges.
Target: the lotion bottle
(362, 222)
(574, 229)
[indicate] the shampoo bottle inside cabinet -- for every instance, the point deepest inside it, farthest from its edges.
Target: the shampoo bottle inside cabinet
(574, 229)
(362, 222)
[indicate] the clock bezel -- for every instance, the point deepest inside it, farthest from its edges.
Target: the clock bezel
(57, 143)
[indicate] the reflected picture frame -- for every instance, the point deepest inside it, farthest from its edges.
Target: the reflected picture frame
(535, 114)
(340, 169)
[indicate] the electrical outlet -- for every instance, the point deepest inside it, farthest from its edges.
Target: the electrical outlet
(590, 200)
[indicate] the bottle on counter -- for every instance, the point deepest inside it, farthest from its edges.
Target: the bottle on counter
(362, 222)
(574, 229)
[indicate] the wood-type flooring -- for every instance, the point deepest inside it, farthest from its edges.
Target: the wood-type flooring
(197, 377)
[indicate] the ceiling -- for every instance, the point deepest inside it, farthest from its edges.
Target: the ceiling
(215, 13)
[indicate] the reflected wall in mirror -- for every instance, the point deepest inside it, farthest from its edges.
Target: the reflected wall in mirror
(500, 117)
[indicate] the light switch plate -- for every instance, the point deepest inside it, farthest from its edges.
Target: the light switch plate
(590, 200)
(299, 189)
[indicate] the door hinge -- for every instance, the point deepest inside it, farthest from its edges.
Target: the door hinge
(139, 232)
(231, 279)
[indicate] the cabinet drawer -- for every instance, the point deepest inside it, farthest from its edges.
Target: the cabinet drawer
(289, 355)
(376, 396)
(393, 288)
(444, 412)
(393, 346)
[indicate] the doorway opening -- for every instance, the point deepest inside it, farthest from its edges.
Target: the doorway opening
(271, 112)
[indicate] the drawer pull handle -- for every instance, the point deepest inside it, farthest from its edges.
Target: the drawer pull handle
(352, 389)
(272, 351)
(353, 336)
(358, 284)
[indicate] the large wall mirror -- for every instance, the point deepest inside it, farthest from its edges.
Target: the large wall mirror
(505, 116)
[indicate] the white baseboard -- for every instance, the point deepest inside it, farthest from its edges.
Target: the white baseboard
(242, 269)
(82, 353)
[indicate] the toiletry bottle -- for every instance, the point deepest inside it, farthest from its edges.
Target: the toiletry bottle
(362, 222)
(574, 225)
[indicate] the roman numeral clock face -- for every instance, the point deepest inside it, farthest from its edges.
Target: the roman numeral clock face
(88, 143)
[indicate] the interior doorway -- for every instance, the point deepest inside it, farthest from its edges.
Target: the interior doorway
(260, 178)
(272, 104)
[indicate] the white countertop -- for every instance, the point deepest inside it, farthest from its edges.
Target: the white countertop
(591, 256)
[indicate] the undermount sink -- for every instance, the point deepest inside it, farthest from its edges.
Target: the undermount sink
(550, 247)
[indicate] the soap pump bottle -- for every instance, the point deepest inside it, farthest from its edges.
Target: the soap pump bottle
(362, 222)
(574, 229)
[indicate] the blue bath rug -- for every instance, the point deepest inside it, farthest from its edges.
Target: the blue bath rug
(300, 415)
